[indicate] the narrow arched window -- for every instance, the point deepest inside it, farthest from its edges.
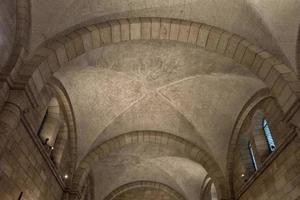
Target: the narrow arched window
(252, 155)
(268, 135)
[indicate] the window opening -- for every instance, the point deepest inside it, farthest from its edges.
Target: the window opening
(268, 136)
(252, 155)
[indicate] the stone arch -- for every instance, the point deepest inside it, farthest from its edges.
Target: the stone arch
(59, 92)
(54, 53)
(37, 71)
(207, 191)
(192, 151)
(263, 102)
(256, 98)
(21, 43)
(143, 184)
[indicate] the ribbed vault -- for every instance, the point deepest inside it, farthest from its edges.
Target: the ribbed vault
(154, 94)
(150, 74)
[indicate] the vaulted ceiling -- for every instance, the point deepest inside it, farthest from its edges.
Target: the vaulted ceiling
(162, 86)
(158, 86)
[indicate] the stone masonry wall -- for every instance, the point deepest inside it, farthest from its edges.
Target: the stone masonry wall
(23, 169)
(281, 179)
(7, 28)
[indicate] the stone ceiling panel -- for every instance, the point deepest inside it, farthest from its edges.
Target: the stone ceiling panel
(212, 103)
(98, 96)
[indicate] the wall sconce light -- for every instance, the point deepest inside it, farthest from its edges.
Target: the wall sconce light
(66, 176)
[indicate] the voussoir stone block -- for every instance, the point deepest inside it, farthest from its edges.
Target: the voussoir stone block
(266, 67)
(174, 30)
(146, 28)
(125, 29)
(259, 60)
(95, 36)
(70, 49)
(203, 35)
(115, 31)
(223, 42)
(184, 30)
(155, 28)
(241, 50)
(165, 27)
(213, 39)
(194, 31)
(105, 33)
(86, 38)
(232, 45)
(135, 29)
(272, 77)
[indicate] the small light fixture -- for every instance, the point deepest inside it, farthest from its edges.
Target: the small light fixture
(52, 148)
(242, 175)
(66, 176)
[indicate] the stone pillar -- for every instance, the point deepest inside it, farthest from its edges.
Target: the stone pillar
(11, 113)
(51, 124)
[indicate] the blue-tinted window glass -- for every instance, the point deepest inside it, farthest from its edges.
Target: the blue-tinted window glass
(268, 135)
(252, 156)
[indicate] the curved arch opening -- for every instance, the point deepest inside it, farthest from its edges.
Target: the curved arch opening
(150, 158)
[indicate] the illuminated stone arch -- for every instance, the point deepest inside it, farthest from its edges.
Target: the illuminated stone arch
(192, 151)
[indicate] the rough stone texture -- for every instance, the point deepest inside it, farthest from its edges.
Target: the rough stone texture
(7, 29)
(23, 169)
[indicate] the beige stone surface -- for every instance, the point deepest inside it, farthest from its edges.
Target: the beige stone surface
(115, 91)
(153, 99)
(148, 162)
(273, 25)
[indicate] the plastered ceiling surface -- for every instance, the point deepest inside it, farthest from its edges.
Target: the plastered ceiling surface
(272, 24)
(148, 162)
(167, 87)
